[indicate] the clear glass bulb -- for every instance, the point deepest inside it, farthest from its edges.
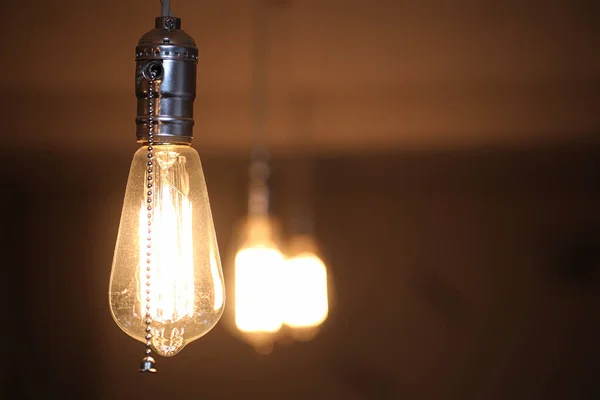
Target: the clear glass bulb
(186, 288)
(305, 299)
(258, 268)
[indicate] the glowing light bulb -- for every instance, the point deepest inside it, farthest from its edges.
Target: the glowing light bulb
(187, 294)
(258, 268)
(256, 272)
(305, 299)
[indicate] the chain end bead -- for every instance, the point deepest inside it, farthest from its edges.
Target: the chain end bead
(148, 365)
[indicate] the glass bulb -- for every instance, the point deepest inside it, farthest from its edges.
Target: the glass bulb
(185, 280)
(258, 267)
(305, 295)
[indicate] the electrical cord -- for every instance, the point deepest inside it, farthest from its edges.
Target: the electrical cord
(258, 202)
(165, 8)
(259, 82)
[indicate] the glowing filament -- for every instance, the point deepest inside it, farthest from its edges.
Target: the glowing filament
(171, 280)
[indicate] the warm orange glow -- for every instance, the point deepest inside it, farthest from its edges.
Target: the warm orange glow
(166, 259)
(172, 278)
(305, 293)
(257, 286)
(258, 269)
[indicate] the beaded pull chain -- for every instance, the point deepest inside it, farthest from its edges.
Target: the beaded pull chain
(148, 363)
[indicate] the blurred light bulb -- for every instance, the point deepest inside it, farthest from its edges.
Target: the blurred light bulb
(256, 272)
(305, 298)
(305, 302)
(258, 268)
(187, 294)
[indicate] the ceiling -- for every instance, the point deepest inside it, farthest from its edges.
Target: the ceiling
(343, 76)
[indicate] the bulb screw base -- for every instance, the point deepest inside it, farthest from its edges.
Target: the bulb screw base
(172, 54)
(148, 365)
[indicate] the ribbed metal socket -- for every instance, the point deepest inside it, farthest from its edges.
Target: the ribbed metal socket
(172, 55)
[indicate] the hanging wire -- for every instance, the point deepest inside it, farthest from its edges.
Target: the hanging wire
(258, 203)
(165, 8)
(259, 78)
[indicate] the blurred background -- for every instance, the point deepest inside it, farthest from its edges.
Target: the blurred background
(456, 194)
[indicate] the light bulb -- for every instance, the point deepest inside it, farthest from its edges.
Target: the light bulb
(258, 268)
(186, 290)
(305, 299)
(166, 285)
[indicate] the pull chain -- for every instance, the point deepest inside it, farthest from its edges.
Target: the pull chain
(148, 363)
